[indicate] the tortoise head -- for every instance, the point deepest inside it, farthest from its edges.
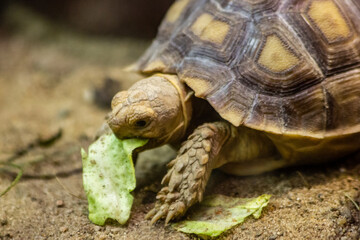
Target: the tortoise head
(151, 109)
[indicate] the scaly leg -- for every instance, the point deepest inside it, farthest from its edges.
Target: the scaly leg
(189, 172)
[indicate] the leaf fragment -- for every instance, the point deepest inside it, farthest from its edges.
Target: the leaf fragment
(109, 177)
(218, 213)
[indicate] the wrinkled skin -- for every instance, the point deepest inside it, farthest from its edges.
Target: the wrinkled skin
(150, 109)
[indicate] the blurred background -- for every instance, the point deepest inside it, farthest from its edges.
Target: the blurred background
(67, 57)
(138, 18)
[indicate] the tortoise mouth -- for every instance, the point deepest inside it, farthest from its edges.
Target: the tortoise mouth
(152, 143)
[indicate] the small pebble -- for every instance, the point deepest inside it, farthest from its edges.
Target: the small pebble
(63, 229)
(273, 237)
(59, 203)
(89, 95)
(291, 196)
(4, 222)
(346, 212)
(115, 230)
(98, 228)
(342, 221)
(69, 211)
(102, 237)
(64, 113)
(8, 235)
(333, 209)
(320, 197)
(354, 234)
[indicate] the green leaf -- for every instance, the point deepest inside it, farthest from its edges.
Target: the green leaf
(219, 213)
(109, 177)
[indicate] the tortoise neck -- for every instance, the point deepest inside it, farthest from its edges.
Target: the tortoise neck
(185, 95)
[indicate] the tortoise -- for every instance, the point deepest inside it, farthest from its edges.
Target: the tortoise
(246, 86)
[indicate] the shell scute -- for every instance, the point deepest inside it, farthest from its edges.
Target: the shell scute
(330, 35)
(285, 67)
(277, 63)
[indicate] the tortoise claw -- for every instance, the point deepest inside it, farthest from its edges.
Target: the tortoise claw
(172, 213)
(175, 210)
(162, 211)
(151, 213)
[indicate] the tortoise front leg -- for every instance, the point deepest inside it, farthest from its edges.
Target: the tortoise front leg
(189, 172)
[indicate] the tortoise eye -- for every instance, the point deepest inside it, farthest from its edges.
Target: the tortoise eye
(141, 123)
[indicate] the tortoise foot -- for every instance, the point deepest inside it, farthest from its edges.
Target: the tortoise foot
(188, 174)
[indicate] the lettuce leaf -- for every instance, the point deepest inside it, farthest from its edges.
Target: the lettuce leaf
(219, 213)
(109, 177)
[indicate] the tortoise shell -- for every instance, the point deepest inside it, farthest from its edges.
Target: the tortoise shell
(280, 66)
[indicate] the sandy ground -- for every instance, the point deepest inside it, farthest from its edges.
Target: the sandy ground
(47, 77)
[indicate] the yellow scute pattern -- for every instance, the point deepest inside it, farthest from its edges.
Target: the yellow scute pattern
(200, 86)
(209, 29)
(175, 10)
(275, 56)
(329, 20)
(154, 66)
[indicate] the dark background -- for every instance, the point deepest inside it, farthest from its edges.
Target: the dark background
(137, 18)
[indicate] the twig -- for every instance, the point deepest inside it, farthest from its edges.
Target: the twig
(304, 180)
(47, 176)
(352, 200)
(16, 180)
(39, 142)
(66, 189)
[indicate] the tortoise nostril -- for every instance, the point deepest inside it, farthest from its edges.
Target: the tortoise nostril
(113, 121)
